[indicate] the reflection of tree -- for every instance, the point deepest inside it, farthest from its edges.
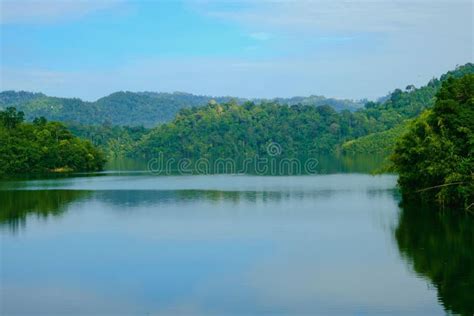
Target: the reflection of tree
(16, 205)
(440, 246)
(131, 198)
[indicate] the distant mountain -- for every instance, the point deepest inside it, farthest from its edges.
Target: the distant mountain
(228, 130)
(135, 108)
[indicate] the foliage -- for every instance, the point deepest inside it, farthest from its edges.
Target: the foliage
(233, 130)
(393, 111)
(115, 141)
(316, 100)
(230, 130)
(376, 143)
(133, 108)
(438, 150)
(42, 146)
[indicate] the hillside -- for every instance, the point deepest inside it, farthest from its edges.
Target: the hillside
(317, 100)
(375, 143)
(392, 114)
(231, 127)
(41, 147)
(230, 130)
(133, 108)
(435, 157)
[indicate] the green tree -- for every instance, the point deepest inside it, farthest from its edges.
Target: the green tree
(435, 159)
(42, 146)
(10, 118)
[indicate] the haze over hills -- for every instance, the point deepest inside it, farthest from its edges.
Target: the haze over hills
(126, 108)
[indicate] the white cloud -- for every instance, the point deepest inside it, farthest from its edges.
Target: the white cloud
(49, 11)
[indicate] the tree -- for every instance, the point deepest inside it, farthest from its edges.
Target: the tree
(43, 146)
(10, 118)
(435, 159)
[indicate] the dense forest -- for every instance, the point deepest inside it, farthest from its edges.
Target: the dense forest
(435, 158)
(113, 140)
(394, 112)
(233, 130)
(380, 143)
(202, 126)
(433, 123)
(134, 108)
(42, 146)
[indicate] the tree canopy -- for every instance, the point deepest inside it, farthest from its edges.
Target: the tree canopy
(234, 130)
(126, 108)
(42, 146)
(435, 159)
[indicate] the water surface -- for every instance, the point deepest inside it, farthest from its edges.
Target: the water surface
(138, 244)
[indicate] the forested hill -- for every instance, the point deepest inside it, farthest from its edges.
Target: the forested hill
(133, 108)
(119, 108)
(435, 156)
(389, 115)
(233, 130)
(42, 146)
(316, 100)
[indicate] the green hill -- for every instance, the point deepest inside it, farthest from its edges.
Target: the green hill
(42, 146)
(133, 108)
(233, 130)
(375, 143)
(435, 158)
(389, 118)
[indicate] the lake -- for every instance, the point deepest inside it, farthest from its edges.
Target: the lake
(132, 243)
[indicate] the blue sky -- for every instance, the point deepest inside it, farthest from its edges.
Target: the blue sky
(346, 49)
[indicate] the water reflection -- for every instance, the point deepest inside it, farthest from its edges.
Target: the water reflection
(215, 245)
(17, 205)
(147, 197)
(440, 247)
(325, 164)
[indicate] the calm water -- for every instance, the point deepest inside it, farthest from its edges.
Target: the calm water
(137, 244)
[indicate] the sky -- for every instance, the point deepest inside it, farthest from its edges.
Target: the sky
(243, 48)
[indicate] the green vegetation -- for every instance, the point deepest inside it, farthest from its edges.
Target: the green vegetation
(436, 150)
(115, 141)
(42, 146)
(120, 108)
(316, 100)
(133, 108)
(228, 127)
(381, 143)
(435, 159)
(392, 114)
(230, 130)
(233, 130)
